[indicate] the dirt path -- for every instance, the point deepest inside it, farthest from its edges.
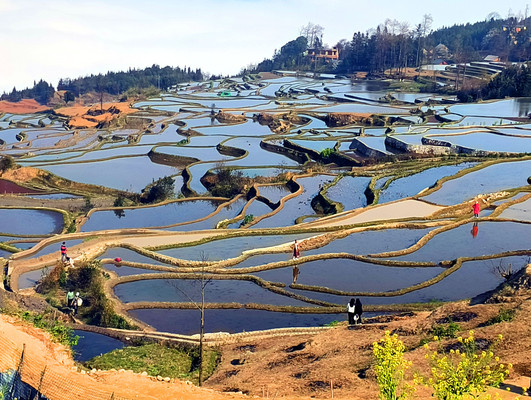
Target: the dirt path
(288, 367)
(397, 210)
(62, 380)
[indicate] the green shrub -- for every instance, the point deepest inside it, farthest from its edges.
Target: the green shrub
(51, 281)
(446, 331)
(71, 227)
(119, 201)
(6, 163)
(504, 315)
(247, 219)
(327, 153)
(228, 182)
(160, 190)
(97, 309)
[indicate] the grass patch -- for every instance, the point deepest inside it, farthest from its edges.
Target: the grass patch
(446, 331)
(46, 321)
(158, 360)
(504, 315)
(89, 238)
(406, 85)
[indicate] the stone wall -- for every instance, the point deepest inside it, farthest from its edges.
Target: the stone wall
(395, 143)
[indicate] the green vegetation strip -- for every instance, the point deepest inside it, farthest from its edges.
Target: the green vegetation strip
(157, 360)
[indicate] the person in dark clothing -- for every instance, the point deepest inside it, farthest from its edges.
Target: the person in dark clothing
(76, 303)
(351, 310)
(296, 251)
(358, 311)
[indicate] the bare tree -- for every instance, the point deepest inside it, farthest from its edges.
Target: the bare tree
(203, 282)
(493, 15)
(312, 32)
(422, 31)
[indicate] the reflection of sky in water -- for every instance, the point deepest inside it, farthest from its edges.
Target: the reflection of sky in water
(217, 291)
(130, 173)
(317, 145)
(55, 248)
(413, 184)
(229, 248)
(363, 108)
(16, 221)
(377, 143)
(29, 279)
(520, 211)
(487, 180)
(489, 142)
(352, 275)
(519, 107)
(274, 192)
(167, 214)
(297, 206)
(456, 286)
(186, 321)
(491, 238)
(92, 344)
(373, 242)
(349, 191)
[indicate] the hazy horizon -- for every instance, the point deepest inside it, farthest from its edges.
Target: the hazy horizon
(65, 39)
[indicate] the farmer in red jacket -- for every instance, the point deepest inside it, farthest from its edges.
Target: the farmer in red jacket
(476, 209)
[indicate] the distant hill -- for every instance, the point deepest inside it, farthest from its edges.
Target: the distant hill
(113, 83)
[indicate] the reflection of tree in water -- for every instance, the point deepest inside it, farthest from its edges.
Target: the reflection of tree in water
(524, 106)
(119, 213)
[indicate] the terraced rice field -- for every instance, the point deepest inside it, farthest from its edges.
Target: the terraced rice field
(243, 246)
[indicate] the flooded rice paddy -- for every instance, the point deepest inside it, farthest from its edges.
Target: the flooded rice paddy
(488, 144)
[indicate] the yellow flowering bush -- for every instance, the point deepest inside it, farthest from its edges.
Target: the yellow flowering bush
(461, 374)
(390, 368)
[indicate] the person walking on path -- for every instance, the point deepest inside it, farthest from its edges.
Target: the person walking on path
(351, 310)
(77, 302)
(63, 252)
(69, 298)
(296, 251)
(476, 209)
(358, 312)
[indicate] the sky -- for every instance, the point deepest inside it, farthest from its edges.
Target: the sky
(53, 39)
